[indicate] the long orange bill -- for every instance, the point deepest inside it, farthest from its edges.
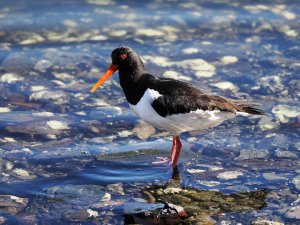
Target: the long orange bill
(110, 70)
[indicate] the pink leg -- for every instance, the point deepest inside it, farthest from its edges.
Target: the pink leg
(177, 152)
(173, 148)
(163, 160)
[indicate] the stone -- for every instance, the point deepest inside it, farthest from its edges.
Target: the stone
(226, 85)
(12, 204)
(143, 130)
(229, 175)
(266, 222)
(252, 154)
(293, 213)
(286, 154)
(116, 188)
(229, 60)
(273, 176)
(296, 182)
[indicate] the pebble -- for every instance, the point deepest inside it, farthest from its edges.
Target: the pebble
(229, 60)
(252, 154)
(143, 130)
(283, 112)
(10, 78)
(4, 109)
(92, 213)
(226, 85)
(57, 125)
(23, 174)
(106, 197)
(176, 76)
(188, 51)
(296, 182)
(116, 188)
(286, 154)
(229, 175)
(199, 66)
(43, 65)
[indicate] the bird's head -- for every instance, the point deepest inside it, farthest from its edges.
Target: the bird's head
(123, 58)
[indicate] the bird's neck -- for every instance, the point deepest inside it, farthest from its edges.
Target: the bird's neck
(129, 78)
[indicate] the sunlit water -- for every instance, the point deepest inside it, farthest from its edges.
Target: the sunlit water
(64, 150)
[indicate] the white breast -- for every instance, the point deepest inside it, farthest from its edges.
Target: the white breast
(177, 123)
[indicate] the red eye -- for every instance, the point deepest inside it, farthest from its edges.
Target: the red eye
(123, 56)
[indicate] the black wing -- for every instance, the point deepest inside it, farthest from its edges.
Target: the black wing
(180, 97)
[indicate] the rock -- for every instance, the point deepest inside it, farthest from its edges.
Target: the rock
(2, 220)
(143, 130)
(12, 204)
(116, 188)
(10, 78)
(57, 125)
(106, 197)
(229, 175)
(286, 154)
(265, 222)
(188, 51)
(43, 65)
(273, 176)
(200, 66)
(296, 182)
(58, 97)
(77, 216)
(283, 112)
(293, 213)
(229, 60)
(4, 109)
(23, 174)
(226, 85)
(176, 75)
(252, 154)
(92, 213)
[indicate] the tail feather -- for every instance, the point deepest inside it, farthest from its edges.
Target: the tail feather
(252, 110)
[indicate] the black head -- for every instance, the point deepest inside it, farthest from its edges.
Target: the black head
(126, 59)
(128, 63)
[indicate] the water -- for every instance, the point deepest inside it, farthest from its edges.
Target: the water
(69, 156)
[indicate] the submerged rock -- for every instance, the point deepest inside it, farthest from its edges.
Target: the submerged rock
(12, 204)
(252, 154)
(293, 213)
(143, 130)
(266, 222)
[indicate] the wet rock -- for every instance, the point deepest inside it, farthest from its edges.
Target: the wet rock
(293, 213)
(12, 204)
(284, 112)
(2, 220)
(57, 125)
(229, 175)
(226, 85)
(28, 218)
(116, 188)
(58, 97)
(106, 197)
(201, 220)
(273, 176)
(10, 78)
(43, 65)
(229, 60)
(23, 174)
(286, 154)
(296, 182)
(252, 154)
(143, 130)
(77, 216)
(266, 222)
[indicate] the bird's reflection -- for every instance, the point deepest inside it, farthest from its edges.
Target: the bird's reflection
(176, 204)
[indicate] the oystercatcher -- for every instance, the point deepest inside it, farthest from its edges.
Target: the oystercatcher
(173, 105)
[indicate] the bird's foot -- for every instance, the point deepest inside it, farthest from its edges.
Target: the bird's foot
(163, 160)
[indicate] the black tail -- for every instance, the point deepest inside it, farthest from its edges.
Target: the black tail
(252, 110)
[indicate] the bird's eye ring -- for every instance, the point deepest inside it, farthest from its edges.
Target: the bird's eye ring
(123, 56)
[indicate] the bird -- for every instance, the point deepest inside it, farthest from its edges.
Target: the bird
(173, 105)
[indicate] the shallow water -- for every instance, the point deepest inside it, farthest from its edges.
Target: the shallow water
(69, 156)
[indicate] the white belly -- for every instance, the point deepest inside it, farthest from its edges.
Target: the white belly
(177, 123)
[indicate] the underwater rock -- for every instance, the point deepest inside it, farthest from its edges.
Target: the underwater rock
(265, 222)
(286, 154)
(143, 130)
(229, 175)
(293, 213)
(12, 204)
(116, 188)
(252, 154)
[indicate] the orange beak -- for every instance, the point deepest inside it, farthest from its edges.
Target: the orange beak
(110, 70)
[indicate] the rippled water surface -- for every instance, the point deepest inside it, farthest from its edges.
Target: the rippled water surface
(69, 156)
